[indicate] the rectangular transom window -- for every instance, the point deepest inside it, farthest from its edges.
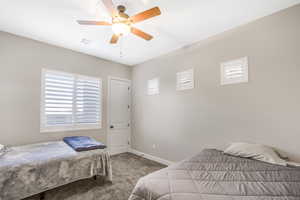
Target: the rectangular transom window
(153, 86)
(185, 80)
(70, 102)
(235, 71)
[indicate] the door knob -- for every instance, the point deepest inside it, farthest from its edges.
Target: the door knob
(111, 126)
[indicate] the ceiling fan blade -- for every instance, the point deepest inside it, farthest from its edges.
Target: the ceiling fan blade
(83, 22)
(114, 39)
(146, 15)
(110, 7)
(141, 34)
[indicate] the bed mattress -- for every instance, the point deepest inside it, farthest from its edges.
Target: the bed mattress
(32, 169)
(212, 175)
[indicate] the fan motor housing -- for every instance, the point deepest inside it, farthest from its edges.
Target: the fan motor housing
(122, 10)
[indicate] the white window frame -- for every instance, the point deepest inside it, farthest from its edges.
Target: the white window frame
(180, 86)
(244, 65)
(74, 126)
(149, 89)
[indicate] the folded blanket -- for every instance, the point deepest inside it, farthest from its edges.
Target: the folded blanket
(83, 143)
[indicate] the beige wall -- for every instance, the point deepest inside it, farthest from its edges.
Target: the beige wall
(21, 61)
(265, 110)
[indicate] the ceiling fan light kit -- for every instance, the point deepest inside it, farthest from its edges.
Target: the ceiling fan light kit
(122, 23)
(121, 29)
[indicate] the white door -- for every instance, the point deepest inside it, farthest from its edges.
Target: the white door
(119, 124)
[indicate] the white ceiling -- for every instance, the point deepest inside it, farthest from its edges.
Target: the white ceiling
(182, 23)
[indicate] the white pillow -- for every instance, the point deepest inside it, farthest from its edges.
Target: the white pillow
(2, 149)
(293, 164)
(255, 151)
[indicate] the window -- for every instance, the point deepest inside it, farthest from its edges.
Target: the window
(235, 71)
(70, 102)
(153, 86)
(185, 80)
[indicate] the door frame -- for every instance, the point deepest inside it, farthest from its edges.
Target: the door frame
(113, 152)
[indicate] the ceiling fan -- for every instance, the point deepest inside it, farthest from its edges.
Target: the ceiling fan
(122, 23)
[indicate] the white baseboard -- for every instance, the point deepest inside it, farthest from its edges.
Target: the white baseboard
(150, 157)
(118, 149)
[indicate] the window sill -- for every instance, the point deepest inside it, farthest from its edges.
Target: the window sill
(68, 129)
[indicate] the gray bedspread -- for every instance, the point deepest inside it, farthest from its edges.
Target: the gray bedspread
(31, 169)
(212, 175)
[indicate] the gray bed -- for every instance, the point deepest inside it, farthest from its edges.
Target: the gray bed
(212, 175)
(32, 169)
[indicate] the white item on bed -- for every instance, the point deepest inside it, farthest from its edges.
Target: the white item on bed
(2, 149)
(293, 164)
(255, 151)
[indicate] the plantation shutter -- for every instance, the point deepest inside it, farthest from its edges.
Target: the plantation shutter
(70, 102)
(58, 99)
(153, 86)
(235, 71)
(185, 80)
(88, 101)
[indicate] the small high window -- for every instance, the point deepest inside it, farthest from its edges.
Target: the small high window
(185, 80)
(235, 71)
(153, 86)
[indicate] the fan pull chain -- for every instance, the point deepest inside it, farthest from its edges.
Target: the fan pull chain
(121, 47)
